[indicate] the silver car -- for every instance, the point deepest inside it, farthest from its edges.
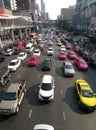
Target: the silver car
(68, 69)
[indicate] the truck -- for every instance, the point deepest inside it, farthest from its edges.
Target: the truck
(12, 98)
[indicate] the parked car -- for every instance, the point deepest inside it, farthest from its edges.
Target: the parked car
(92, 61)
(46, 88)
(36, 52)
(85, 95)
(14, 65)
(85, 55)
(43, 127)
(33, 61)
(81, 64)
(47, 64)
(50, 51)
(68, 69)
(76, 48)
(22, 56)
(62, 55)
(72, 55)
(9, 52)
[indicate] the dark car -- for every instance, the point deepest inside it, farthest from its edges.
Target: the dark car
(85, 55)
(92, 61)
(47, 64)
(2, 59)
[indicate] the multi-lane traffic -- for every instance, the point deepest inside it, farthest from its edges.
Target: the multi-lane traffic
(63, 112)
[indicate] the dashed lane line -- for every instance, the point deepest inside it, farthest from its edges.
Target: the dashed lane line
(30, 113)
(64, 116)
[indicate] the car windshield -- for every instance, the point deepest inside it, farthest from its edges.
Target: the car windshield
(20, 55)
(32, 59)
(9, 96)
(46, 86)
(82, 62)
(36, 51)
(69, 67)
(13, 63)
(50, 49)
(87, 93)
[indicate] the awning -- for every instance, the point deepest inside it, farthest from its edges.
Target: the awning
(6, 16)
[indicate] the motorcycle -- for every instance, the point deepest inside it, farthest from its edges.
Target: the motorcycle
(5, 79)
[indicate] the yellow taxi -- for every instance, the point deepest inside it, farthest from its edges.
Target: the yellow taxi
(85, 95)
(59, 43)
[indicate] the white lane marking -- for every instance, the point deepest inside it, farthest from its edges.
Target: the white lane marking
(30, 113)
(18, 76)
(64, 116)
(61, 91)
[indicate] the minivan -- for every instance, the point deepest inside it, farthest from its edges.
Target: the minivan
(29, 47)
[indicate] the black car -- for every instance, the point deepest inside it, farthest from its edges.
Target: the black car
(47, 64)
(92, 61)
(2, 59)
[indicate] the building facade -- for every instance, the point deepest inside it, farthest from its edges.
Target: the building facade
(85, 11)
(68, 13)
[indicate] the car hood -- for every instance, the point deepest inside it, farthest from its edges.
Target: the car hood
(89, 101)
(46, 93)
(6, 104)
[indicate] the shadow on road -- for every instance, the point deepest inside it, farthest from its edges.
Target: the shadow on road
(70, 100)
(32, 96)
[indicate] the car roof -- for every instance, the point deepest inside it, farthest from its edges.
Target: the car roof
(13, 87)
(47, 59)
(80, 59)
(47, 79)
(68, 63)
(33, 56)
(84, 84)
(14, 60)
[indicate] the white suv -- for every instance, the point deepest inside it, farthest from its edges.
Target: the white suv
(46, 91)
(50, 51)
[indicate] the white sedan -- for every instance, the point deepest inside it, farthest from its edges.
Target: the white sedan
(50, 51)
(22, 56)
(62, 48)
(37, 52)
(9, 52)
(14, 65)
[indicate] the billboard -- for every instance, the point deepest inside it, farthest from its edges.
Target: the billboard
(7, 4)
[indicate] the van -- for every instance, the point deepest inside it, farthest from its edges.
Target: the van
(29, 47)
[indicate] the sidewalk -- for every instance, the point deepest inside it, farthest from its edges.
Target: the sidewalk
(6, 43)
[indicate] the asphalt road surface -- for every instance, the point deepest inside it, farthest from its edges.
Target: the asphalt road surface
(63, 112)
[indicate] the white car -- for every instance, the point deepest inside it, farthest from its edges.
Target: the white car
(62, 48)
(46, 91)
(68, 69)
(37, 52)
(43, 127)
(50, 51)
(22, 56)
(14, 65)
(9, 52)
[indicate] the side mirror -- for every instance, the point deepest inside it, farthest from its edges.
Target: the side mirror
(95, 94)
(39, 86)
